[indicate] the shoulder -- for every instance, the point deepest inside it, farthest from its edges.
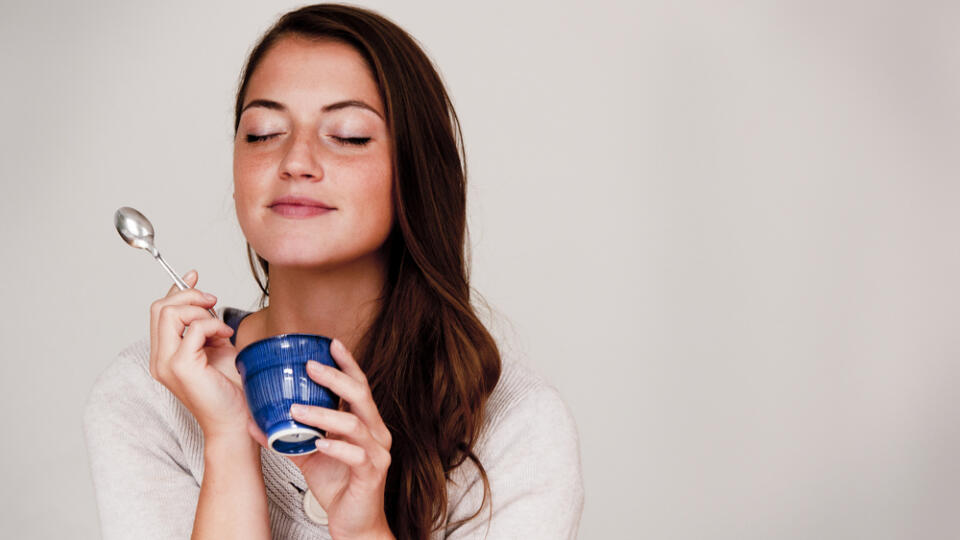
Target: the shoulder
(125, 396)
(126, 400)
(145, 479)
(127, 377)
(523, 397)
(529, 448)
(530, 433)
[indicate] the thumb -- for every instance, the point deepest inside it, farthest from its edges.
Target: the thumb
(190, 278)
(256, 433)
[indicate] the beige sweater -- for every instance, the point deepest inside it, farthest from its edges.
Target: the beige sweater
(146, 456)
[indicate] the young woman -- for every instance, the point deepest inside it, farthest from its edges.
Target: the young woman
(349, 185)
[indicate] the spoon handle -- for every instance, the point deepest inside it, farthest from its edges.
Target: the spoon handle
(180, 283)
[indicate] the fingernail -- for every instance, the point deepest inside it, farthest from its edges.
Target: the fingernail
(188, 274)
(296, 409)
(314, 366)
(338, 344)
(323, 443)
(210, 297)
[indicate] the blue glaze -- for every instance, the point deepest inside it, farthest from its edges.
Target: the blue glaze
(232, 316)
(274, 372)
(291, 448)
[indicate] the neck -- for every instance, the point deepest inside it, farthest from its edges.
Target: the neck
(336, 302)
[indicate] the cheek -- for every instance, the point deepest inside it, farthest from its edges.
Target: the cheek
(373, 209)
(247, 167)
(379, 200)
(245, 202)
(248, 175)
(367, 185)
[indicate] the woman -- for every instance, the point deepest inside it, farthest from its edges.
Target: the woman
(350, 190)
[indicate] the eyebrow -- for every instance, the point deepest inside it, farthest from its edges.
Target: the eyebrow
(277, 106)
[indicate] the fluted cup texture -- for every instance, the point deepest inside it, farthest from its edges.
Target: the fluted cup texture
(274, 373)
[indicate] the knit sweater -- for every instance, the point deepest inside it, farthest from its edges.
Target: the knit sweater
(146, 456)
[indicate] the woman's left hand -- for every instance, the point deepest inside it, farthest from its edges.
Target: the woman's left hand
(348, 476)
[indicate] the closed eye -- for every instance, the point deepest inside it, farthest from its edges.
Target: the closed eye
(350, 141)
(355, 141)
(258, 138)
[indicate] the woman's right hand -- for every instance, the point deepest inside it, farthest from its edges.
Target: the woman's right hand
(198, 366)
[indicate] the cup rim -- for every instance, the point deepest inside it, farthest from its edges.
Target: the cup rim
(283, 431)
(279, 336)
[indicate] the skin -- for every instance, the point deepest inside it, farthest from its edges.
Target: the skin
(327, 271)
(326, 275)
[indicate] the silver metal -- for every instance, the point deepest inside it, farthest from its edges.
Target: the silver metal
(136, 230)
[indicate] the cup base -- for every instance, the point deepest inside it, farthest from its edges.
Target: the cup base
(293, 439)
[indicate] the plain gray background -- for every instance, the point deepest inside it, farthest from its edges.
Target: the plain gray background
(725, 231)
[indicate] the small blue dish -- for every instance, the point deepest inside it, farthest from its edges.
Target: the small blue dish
(274, 372)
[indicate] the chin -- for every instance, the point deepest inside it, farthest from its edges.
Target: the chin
(315, 250)
(292, 256)
(296, 258)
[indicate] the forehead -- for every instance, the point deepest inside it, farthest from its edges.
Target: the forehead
(303, 73)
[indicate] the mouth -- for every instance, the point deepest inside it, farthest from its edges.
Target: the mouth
(299, 210)
(290, 200)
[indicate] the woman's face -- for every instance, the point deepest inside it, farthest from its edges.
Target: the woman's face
(313, 126)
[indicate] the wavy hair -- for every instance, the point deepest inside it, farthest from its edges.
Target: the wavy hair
(430, 362)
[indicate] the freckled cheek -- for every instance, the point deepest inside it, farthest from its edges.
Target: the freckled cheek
(371, 199)
(250, 166)
(249, 198)
(250, 173)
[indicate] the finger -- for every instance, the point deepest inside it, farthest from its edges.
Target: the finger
(357, 393)
(170, 325)
(345, 361)
(347, 427)
(345, 424)
(221, 340)
(189, 296)
(353, 456)
(194, 297)
(196, 336)
(190, 278)
(160, 344)
(186, 296)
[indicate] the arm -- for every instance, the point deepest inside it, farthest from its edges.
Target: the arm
(143, 479)
(532, 459)
(233, 498)
(143, 484)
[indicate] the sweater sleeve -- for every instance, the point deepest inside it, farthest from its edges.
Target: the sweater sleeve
(532, 460)
(142, 486)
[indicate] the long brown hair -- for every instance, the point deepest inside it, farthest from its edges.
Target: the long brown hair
(430, 362)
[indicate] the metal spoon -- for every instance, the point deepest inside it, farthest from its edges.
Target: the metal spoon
(136, 230)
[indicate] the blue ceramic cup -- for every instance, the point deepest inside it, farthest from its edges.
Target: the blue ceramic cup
(274, 372)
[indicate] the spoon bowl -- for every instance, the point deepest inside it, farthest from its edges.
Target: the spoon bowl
(137, 231)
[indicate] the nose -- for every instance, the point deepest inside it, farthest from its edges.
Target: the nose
(300, 160)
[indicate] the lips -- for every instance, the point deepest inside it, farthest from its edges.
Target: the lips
(300, 201)
(299, 210)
